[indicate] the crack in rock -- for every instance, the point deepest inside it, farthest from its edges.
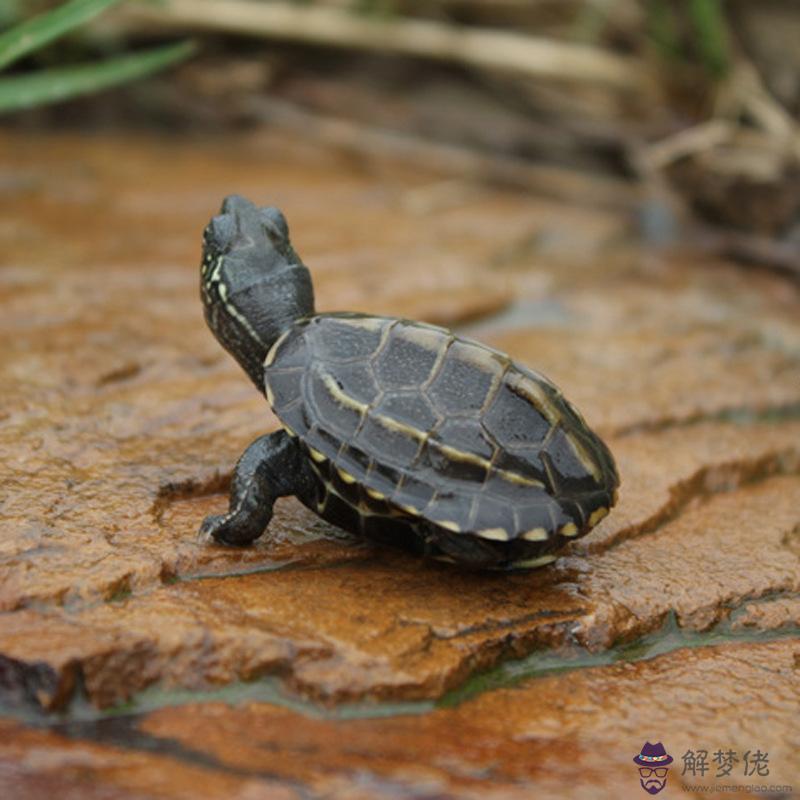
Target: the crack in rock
(736, 415)
(707, 481)
(188, 489)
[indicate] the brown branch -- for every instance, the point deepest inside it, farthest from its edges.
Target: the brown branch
(479, 47)
(685, 143)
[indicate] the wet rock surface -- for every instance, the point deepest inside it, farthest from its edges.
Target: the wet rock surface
(347, 670)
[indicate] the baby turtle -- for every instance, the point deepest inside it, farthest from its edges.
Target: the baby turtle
(395, 430)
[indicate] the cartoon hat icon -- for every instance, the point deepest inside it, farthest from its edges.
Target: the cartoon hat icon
(653, 755)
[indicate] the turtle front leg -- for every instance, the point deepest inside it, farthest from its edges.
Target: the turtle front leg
(271, 467)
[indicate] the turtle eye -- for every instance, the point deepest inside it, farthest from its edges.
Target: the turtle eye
(274, 222)
(223, 231)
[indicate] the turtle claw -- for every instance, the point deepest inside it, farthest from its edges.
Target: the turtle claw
(212, 529)
(235, 529)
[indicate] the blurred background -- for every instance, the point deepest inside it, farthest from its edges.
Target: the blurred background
(684, 110)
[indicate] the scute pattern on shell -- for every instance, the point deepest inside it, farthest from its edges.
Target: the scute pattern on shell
(404, 418)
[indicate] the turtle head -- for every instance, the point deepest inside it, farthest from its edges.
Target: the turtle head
(252, 282)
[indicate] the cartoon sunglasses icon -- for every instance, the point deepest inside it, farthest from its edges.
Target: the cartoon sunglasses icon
(659, 772)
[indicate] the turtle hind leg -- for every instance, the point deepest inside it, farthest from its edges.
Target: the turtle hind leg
(271, 467)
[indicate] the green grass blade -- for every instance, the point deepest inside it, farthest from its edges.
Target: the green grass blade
(38, 31)
(710, 25)
(53, 85)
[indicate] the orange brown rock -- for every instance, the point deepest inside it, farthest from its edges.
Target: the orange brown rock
(121, 420)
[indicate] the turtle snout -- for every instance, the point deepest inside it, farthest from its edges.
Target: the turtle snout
(236, 204)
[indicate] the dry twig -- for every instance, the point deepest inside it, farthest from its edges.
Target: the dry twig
(479, 47)
(687, 142)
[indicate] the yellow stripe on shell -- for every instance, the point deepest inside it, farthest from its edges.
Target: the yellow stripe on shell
(472, 458)
(316, 455)
(536, 535)
(396, 426)
(426, 337)
(512, 477)
(570, 529)
(273, 351)
(589, 464)
(428, 327)
(339, 396)
(345, 476)
(495, 534)
(597, 515)
(480, 356)
(531, 391)
(366, 323)
(392, 424)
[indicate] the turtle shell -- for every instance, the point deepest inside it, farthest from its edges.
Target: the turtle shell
(413, 420)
